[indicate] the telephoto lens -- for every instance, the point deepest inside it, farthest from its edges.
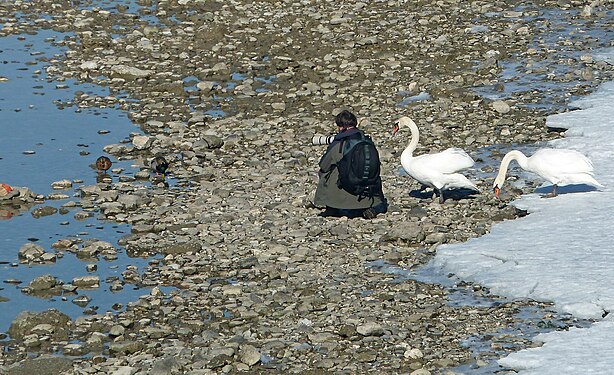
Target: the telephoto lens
(322, 139)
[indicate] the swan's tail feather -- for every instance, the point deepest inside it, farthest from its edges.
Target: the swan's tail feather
(595, 183)
(584, 178)
(458, 181)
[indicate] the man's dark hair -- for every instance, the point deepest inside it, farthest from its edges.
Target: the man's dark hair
(346, 119)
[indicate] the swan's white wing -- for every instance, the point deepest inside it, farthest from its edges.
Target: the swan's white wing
(451, 160)
(559, 161)
(563, 167)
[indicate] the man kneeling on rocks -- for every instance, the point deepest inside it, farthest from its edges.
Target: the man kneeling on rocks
(350, 183)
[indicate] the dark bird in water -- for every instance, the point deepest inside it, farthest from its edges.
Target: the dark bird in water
(103, 163)
(159, 166)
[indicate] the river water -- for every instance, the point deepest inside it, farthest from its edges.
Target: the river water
(41, 143)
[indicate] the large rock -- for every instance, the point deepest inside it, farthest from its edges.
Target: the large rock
(166, 366)
(370, 329)
(142, 142)
(96, 248)
(207, 143)
(45, 365)
(43, 283)
(130, 73)
(501, 106)
(86, 282)
(182, 248)
(126, 347)
(61, 185)
(213, 141)
(132, 202)
(30, 252)
(43, 211)
(26, 321)
(249, 355)
(406, 233)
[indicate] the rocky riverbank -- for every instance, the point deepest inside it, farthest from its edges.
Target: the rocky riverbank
(263, 284)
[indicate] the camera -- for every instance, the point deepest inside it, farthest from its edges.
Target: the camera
(322, 139)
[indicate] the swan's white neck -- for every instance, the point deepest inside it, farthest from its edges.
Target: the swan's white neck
(505, 163)
(415, 138)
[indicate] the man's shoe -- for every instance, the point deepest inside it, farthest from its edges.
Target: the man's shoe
(369, 213)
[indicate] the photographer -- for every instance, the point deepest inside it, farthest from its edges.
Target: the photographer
(362, 195)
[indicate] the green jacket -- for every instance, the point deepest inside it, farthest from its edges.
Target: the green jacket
(328, 194)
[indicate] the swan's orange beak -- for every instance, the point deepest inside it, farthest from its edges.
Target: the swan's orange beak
(497, 191)
(395, 129)
(7, 188)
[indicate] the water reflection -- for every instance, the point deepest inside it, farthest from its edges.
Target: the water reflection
(10, 210)
(42, 142)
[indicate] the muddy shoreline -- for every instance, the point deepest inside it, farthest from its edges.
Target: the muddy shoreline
(264, 285)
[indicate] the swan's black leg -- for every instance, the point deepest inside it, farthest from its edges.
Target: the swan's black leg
(441, 198)
(554, 193)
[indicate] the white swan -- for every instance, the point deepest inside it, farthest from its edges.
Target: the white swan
(557, 166)
(437, 171)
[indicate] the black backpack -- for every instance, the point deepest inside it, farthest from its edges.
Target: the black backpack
(359, 167)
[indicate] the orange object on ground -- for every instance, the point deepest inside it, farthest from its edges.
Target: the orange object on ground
(5, 187)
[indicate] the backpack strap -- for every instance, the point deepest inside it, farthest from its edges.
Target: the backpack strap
(365, 173)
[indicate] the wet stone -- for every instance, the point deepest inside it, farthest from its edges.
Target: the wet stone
(26, 321)
(63, 244)
(212, 141)
(370, 329)
(117, 330)
(69, 288)
(126, 347)
(43, 283)
(86, 282)
(45, 365)
(74, 349)
(82, 215)
(164, 366)
(501, 106)
(30, 252)
(43, 211)
(411, 234)
(250, 355)
(61, 185)
(57, 196)
(142, 142)
(366, 356)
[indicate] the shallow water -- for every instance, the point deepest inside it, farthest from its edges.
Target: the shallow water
(58, 144)
(521, 73)
(486, 349)
(40, 141)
